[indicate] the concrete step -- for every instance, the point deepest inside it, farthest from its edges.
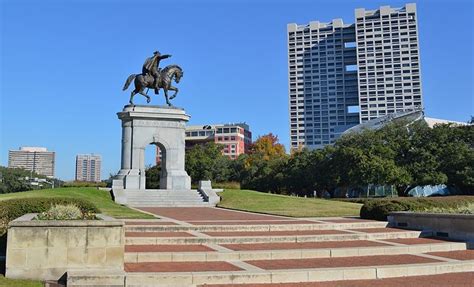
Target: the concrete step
(193, 278)
(171, 205)
(150, 239)
(458, 279)
(158, 200)
(143, 226)
(166, 196)
(172, 198)
(144, 253)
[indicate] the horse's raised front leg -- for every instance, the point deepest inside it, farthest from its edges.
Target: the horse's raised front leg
(171, 88)
(166, 96)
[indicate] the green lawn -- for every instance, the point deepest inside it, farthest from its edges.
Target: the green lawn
(249, 200)
(101, 199)
(19, 283)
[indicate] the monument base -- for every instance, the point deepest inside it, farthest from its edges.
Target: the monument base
(135, 179)
(161, 198)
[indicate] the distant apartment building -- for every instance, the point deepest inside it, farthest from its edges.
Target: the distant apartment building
(236, 138)
(88, 167)
(35, 159)
(341, 75)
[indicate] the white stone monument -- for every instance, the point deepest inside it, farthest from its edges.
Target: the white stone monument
(145, 125)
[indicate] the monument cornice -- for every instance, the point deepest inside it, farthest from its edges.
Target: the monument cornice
(143, 112)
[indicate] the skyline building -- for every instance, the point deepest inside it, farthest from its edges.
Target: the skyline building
(88, 167)
(341, 75)
(35, 159)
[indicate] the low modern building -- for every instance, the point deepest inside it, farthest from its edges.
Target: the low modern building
(235, 137)
(35, 159)
(88, 167)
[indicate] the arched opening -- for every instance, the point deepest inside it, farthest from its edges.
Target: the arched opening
(155, 159)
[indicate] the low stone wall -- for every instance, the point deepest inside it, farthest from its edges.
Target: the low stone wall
(456, 226)
(47, 249)
(209, 194)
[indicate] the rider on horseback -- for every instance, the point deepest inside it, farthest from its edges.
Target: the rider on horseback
(152, 67)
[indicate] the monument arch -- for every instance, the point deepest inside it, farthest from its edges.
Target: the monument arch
(145, 125)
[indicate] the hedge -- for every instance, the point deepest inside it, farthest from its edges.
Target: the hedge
(379, 209)
(14, 208)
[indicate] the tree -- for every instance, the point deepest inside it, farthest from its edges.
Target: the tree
(301, 171)
(455, 153)
(206, 162)
(263, 168)
(152, 179)
(14, 179)
(268, 147)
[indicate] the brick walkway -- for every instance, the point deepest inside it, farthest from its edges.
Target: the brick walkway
(180, 267)
(377, 260)
(231, 246)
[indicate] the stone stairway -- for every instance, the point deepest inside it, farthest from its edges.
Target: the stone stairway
(210, 246)
(166, 198)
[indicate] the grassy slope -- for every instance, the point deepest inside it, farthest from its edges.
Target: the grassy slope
(101, 199)
(19, 283)
(286, 205)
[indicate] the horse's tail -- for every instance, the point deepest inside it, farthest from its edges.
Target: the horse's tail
(129, 80)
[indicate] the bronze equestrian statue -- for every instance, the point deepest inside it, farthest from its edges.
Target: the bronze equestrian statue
(152, 77)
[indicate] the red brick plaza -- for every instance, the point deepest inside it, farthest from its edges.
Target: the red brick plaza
(212, 246)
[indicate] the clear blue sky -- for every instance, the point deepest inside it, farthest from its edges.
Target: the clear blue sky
(63, 64)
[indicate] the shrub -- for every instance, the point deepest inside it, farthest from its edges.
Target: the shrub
(379, 209)
(14, 208)
(65, 212)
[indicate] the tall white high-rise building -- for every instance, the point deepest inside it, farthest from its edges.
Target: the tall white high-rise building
(36, 159)
(88, 167)
(343, 74)
(388, 61)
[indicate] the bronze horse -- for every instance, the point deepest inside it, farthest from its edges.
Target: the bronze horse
(164, 82)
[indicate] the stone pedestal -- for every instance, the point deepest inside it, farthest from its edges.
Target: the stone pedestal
(159, 125)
